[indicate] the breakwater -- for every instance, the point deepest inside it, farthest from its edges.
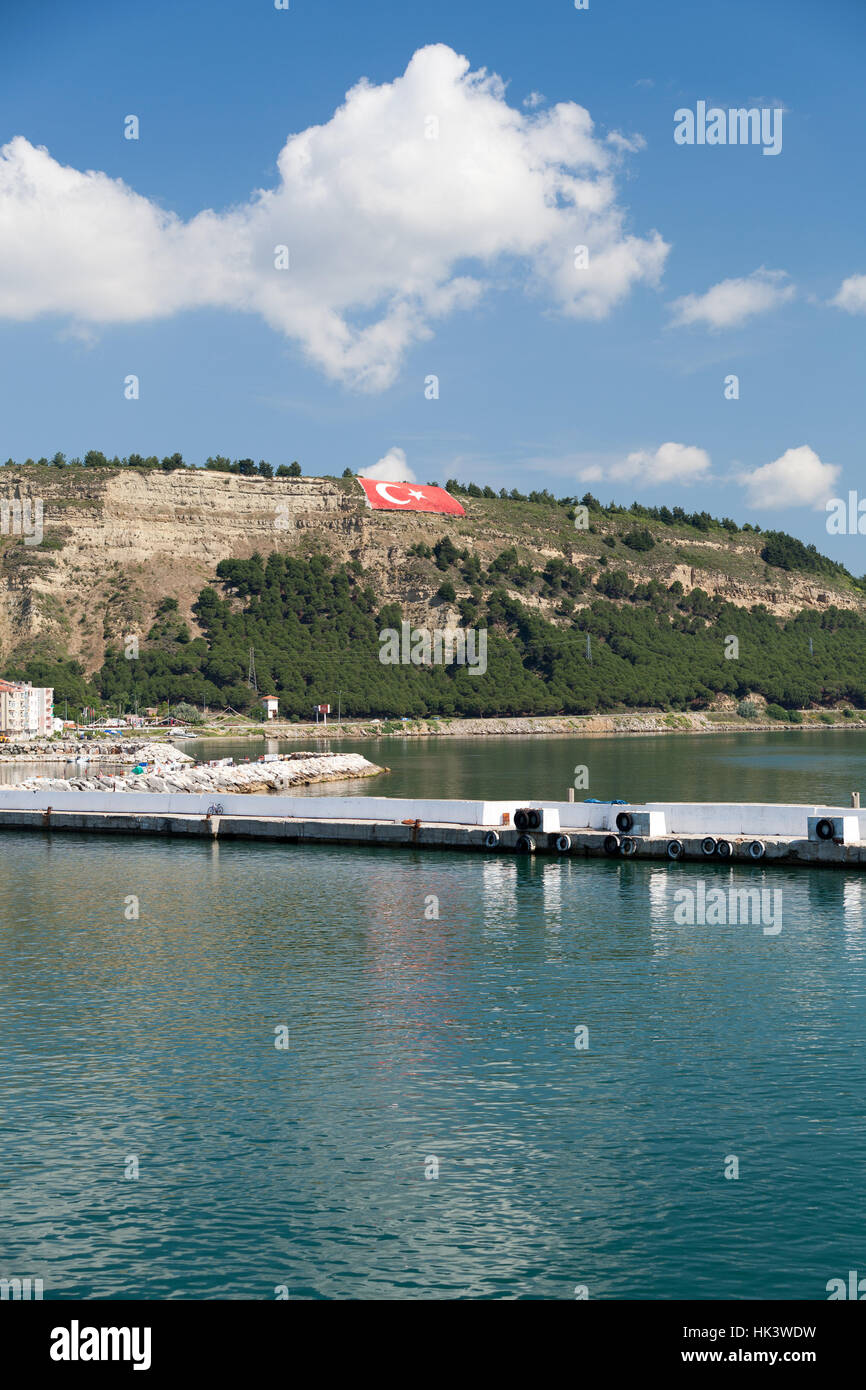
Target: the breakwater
(759, 834)
(91, 750)
(293, 770)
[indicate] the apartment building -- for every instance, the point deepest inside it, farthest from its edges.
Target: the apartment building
(26, 711)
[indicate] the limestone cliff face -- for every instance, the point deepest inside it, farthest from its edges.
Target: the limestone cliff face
(115, 543)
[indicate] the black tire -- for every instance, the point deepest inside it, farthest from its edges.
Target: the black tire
(491, 840)
(525, 844)
(611, 844)
(824, 829)
(675, 849)
(534, 818)
(708, 845)
(756, 849)
(624, 822)
(521, 820)
(563, 843)
(627, 845)
(724, 849)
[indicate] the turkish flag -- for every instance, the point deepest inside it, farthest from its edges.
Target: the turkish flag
(409, 497)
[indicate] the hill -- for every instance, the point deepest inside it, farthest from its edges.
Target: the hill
(198, 566)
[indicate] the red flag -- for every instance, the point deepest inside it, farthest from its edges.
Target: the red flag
(409, 497)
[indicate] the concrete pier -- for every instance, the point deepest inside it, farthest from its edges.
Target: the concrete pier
(706, 832)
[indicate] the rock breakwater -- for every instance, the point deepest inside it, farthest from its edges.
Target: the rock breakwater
(295, 770)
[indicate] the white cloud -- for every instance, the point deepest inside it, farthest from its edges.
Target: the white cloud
(670, 463)
(631, 144)
(381, 224)
(732, 302)
(392, 467)
(797, 479)
(852, 295)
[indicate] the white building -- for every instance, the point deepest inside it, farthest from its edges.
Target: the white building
(271, 706)
(13, 708)
(26, 711)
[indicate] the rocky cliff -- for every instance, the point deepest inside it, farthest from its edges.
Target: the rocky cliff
(116, 542)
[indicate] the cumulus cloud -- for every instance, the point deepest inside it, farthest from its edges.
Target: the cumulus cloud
(732, 302)
(392, 220)
(852, 295)
(797, 479)
(669, 463)
(391, 467)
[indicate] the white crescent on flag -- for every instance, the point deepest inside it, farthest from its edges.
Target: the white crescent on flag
(411, 497)
(383, 490)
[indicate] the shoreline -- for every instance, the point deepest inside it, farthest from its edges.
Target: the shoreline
(530, 726)
(520, 726)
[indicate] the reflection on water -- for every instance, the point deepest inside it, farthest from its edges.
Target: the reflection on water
(431, 1002)
(11, 773)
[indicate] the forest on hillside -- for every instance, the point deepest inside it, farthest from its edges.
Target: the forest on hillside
(314, 627)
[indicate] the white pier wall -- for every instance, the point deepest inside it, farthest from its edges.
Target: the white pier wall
(377, 808)
(681, 818)
(706, 817)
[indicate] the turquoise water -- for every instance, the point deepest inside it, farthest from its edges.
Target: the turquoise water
(820, 767)
(412, 1038)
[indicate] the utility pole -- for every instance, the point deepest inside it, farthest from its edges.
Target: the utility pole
(251, 675)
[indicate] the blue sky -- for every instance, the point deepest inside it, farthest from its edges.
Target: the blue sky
(542, 381)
